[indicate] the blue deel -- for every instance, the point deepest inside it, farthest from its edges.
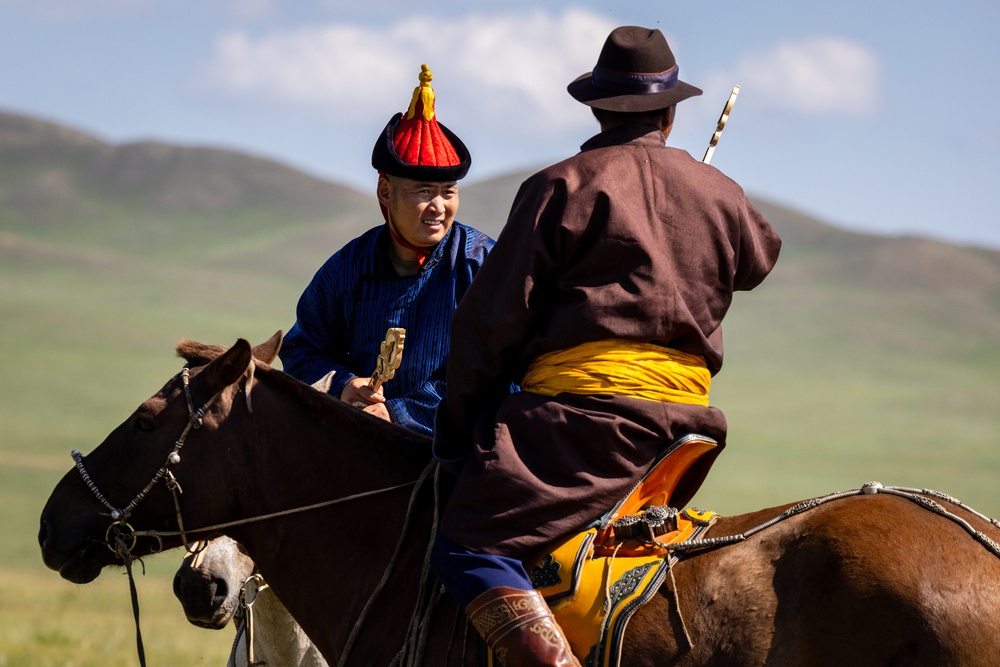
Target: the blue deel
(343, 315)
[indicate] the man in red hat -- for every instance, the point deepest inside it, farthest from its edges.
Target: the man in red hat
(409, 272)
(603, 299)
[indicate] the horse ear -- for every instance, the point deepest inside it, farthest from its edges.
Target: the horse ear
(268, 350)
(322, 385)
(229, 367)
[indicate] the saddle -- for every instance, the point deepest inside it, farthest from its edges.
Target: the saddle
(596, 580)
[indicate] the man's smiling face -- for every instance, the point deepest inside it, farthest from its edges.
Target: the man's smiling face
(421, 212)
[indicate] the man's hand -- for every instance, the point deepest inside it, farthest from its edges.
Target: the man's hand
(379, 410)
(357, 393)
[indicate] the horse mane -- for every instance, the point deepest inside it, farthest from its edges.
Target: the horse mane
(323, 406)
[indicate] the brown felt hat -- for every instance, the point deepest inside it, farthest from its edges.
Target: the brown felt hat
(636, 71)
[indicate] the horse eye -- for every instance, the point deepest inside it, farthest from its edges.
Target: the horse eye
(145, 416)
(143, 423)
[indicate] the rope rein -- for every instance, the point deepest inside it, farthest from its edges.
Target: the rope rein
(389, 567)
(918, 496)
(123, 550)
(272, 515)
(195, 420)
(417, 632)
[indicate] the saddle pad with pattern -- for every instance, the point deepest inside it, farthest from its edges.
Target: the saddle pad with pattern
(597, 579)
(593, 596)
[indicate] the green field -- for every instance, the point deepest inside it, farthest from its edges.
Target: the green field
(861, 358)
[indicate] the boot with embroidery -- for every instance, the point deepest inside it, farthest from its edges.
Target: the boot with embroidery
(520, 629)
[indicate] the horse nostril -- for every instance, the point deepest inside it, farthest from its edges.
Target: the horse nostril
(221, 588)
(43, 532)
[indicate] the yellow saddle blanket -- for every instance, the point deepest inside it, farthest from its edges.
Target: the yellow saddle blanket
(596, 580)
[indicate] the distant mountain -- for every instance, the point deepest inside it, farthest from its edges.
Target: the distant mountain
(57, 183)
(58, 164)
(60, 184)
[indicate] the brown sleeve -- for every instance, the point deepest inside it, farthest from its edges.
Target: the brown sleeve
(758, 249)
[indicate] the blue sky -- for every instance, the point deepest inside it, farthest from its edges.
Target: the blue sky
(878, 115)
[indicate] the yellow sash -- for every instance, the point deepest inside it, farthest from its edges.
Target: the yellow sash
(622, 368)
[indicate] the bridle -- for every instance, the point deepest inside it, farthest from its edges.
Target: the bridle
(120, 529)
(121, 537)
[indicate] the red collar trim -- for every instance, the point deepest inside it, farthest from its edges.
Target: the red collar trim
(422, 253)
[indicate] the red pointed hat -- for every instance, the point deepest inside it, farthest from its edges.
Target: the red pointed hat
(415, 145)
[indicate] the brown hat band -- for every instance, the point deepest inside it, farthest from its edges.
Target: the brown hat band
(629, 83)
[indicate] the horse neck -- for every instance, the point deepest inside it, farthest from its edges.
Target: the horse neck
(278, 639)
(324, 563)
(309, 446)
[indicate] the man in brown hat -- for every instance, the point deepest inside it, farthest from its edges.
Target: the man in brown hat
(603, 298)
(409, 272)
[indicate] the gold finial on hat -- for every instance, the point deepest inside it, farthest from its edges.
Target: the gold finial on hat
(425, 94)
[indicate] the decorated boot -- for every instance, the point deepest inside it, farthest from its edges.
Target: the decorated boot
(520, 629)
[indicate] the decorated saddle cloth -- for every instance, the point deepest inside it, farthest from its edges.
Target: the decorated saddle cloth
(596, 580)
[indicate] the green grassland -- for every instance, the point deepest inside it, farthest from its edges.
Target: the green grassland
(47, 622)
(861, 358)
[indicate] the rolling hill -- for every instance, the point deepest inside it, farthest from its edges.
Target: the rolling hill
(154, 200)
(861, 357)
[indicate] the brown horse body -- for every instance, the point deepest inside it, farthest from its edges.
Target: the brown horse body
(869, 579)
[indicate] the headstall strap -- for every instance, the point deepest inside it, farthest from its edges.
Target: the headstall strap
(175, 491)
(119, 516)
(185, 380)
(253, 585)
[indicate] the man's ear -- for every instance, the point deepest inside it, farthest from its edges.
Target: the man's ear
(382, 190)
(668, 118)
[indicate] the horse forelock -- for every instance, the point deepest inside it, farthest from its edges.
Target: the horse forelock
(199, 354)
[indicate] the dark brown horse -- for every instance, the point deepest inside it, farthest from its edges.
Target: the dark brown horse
(865, 580)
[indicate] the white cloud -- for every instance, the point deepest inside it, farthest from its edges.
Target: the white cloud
(816, 76)
(490, 67)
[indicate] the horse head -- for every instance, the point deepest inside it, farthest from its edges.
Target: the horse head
(292, 475)
(136, 476)
(210, 586)
(209, 581)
